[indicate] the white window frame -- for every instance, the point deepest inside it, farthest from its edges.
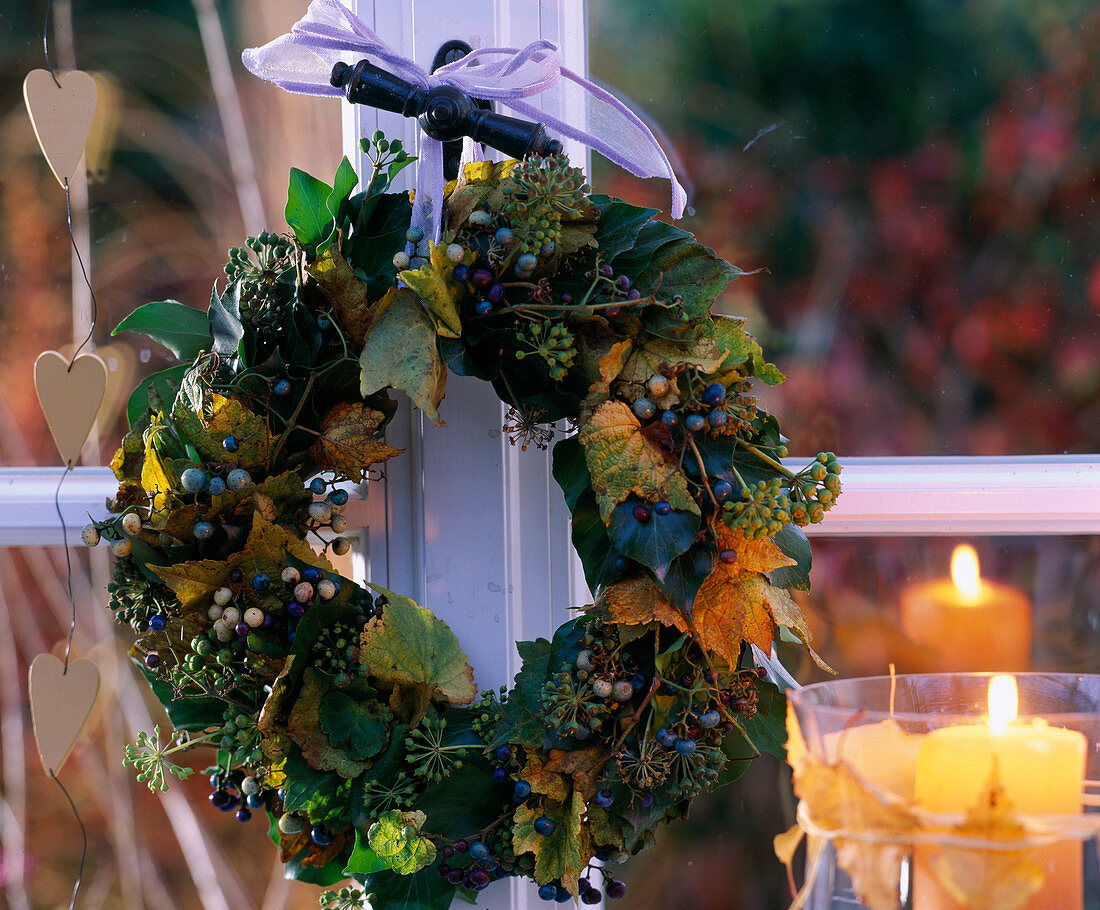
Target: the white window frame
(476, 530)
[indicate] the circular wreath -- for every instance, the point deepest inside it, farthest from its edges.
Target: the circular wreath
(348, 714)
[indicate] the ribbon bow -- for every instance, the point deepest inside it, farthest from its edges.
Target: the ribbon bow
(302, 62)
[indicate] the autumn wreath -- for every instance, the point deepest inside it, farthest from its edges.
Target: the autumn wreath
(346, 713)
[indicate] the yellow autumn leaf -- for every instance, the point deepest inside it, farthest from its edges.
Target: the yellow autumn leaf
(434, 283)
(752, 555)
(997, 878)
(668, 356)
(729, 608)
(584, 766)
(158, 479)
(875, 870)
(347, 444)
(622, 460)
(838, 799)
(543, 782)
(609, 366)
(638, 601)
(346, 293)
(206, 417)
(562, 854)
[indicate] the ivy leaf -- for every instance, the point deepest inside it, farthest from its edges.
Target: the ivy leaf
(158, 476)
(622, 460)
(373, 243)
(656, 541)
(347, 294)
(184, 330)
(689, 269)
(791, 540)
(562, 854)
(363, 860)
(305, 728)
(307, 209)
(729, 332)
(584, 767)
(399, 350)
(427, 890)
(638, 601)
(434, 283)
(336, 202)
(523, 721)
(767, 727)
(662, 355)
(348, 444)
(686, 574)
(358, 726)
(395, 838)
(619, 224)
(466, 800)
(165, 383)
(414, 651)
(322, 796)
(593, 546)
(266, 551)
(206, 417)
(226, 327)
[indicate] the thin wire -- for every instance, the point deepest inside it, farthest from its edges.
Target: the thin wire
(46, 42)
(68, 564)
(83, 271)
(83, 834)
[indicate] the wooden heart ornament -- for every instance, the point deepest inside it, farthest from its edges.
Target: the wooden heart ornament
(60, 705)
(70, 398)
(61, 116)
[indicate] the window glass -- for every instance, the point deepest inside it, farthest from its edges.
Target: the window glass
(915, 182)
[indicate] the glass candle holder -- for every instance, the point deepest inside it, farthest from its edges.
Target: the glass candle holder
(952, 791)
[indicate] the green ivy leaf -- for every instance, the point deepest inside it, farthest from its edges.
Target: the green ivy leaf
(427, 890)
(466, 800)
(689, 269)
(654, 542)
(523, 721)
(376, 237)
(396, 840)
(562, 854)
(226, 326)
(184, 330)
(307, 209)
(686, 574)
(597, 554)
(336, 203)
(571, 470)
(767, 727)
(165, 384)
(363, 860)
(359, 727)
(411, 649)
(619, 225)
(321, 795)
(792, 542)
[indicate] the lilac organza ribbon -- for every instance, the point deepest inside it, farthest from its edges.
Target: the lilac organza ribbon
(302, 62)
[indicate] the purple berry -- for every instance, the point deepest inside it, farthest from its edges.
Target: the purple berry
(495, 294)
(482, 278)
(295, 609)
(243, 814)
(242, 628)
(152, 661)
(461, 846)
(646, 799)
(615, 889)
(236, 576)
(634, 294)
(566, 299)
(641, 513)
(623, 283)
(592, 895)
(729, 557)
(456, 876)
(500, 775)
(479, 879)
(606, 271)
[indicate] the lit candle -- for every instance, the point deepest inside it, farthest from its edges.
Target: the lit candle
(1041, 770)
(967, 622)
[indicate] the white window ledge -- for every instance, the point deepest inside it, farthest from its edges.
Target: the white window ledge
(894, 497)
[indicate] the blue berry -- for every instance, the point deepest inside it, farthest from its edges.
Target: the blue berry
(685, 746)
(621, 565)
(238, 479)
(261, 582)
(282, 387)
(478, 850)
(216, 486)
(709, 719)
(193, 480)
(695, 422)
(295, 609)
(504, 753)
(666, 737)
(662, 507)
(500, 775)
(670, 418)
(157, 623)
(317, 486)
(646, 799)
(414, 235)
(322, 321)
(231, 444)
(461, 273)
(483, 308)
(215, 781)
(644, 409)
(243, 814)
(203, 530)
(311, 574)
(504, 236)
(548, 892)
(521, 790)
(638, 681)
(604, 798)
(544, 825)
(338, 497)
(321, 835)
(714, 394)
(495, 294)
(561, 895)
(717, 418)
(528, 262)
(255, 801)
(723, 490)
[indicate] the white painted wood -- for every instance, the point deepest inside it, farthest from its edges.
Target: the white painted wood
(1043, 495)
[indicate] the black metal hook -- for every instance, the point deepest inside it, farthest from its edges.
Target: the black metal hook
(445, 113)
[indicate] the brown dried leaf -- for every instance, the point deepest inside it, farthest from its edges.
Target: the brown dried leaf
(583, 765)
(543, 781)
(347, 444)
(638, 600)
(346, 293)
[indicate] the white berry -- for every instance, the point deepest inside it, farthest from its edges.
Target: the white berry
(131, 523)
(303, 592)
(339, 524)
(290, 576)
(401, 261)
(238, 479)
(455, 252)
(122, 547)
(90, 535)
(223, 595)
(341, 546)
(231, 616)
(320, 511)
(222, 631)
(326, 590)
(254, 616)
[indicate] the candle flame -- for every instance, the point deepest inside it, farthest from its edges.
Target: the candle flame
(1003, 702)
(965, 573)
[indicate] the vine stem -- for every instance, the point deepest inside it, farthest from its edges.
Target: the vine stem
(702, 471)
(291, 423)
(767, 459)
